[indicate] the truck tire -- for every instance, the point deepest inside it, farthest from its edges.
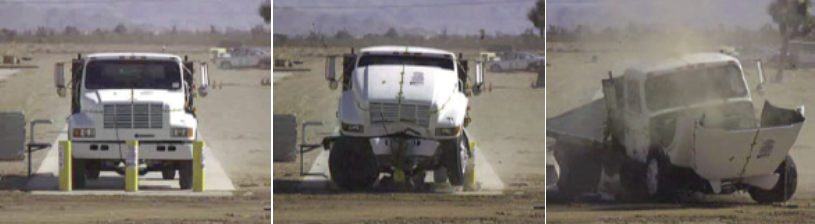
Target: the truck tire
(352, 164)
(185, 174)
(783, 189)
(495, 68)
(92, 169)
(226, 65)
(168, 171)
(658, 180)
(78, 173)
(455, 159)
(579, 173)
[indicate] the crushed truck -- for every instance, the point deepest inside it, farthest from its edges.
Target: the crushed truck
(683, 124)
(403, 112)
(117, 97)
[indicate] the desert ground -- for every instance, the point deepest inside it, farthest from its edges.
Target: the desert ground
(241, 143)
(507, 123)
(573, 80)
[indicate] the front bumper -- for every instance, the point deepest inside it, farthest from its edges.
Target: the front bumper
(117, 150)
(412, 147)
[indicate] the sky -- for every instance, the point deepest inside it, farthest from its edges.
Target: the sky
(508, 16)
(91, 14)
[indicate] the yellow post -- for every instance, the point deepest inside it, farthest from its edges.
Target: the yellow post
(198, 172)
(65, 178)
(132, 167)
(469, 179)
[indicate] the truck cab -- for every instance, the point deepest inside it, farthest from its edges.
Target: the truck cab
(117, 97)
(654, 96)
(402, 110)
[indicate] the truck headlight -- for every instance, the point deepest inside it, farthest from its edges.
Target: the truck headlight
(181, 132)
(84, 133)
(352, 127)
(448, 131)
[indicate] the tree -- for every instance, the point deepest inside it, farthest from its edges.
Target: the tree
(794, 21)
(120, 29)
(70, 31)
(537, 15)
(213, 30)
(266, 12)
(343, 34)
(391, 33)
(483, 33)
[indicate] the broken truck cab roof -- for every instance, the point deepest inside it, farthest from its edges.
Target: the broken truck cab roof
(118, 55)
(408, 49)
(673, 63)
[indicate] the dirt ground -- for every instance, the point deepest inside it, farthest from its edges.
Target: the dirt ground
(241, 144)
(507, 123)
(573, 80)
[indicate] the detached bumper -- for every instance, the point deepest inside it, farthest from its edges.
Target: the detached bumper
(147, 150)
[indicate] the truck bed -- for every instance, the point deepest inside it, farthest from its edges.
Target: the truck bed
(583, 125)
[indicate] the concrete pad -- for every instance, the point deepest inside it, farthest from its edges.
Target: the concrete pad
(6, 73)
(46, 179)
(318, 176)
(279, 76)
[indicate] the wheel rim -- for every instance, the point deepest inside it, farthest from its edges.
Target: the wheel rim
(465, 157)
(651, 174)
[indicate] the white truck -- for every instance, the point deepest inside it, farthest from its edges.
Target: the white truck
(116, 97)
(403, 112)
(685, 124)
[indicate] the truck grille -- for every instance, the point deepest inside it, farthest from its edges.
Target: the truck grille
(408, 113)
(136, 116)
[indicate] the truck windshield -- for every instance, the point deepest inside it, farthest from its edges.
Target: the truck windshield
(132, 74)
(684, 88)
(369, 60)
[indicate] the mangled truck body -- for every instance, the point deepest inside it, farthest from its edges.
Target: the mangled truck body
(685, 124)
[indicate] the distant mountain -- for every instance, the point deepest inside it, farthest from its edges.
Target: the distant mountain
(466, 18)
(185, 14)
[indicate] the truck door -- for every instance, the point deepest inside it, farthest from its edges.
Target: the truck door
(636, 125)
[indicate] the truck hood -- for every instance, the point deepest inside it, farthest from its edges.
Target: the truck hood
(173, 98)
(405, 84)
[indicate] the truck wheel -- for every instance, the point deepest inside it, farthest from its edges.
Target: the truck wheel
(353, 165)
(659, 184)
(226, 65)
(77, 173)
(579, 173)
(783, 189)
(168, 171)
(185, 174)
(455, 159)
(631, 179)
(92, 169)
(495, 68)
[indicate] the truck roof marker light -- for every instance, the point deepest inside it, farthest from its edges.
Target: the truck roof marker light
(417, 54)
(396, 52)
(446, 56)
(143, 57)
(121, 57)
(93, 58)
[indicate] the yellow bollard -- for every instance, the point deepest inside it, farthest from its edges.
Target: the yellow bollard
(198, 174)
(469, 179)
(65, 182)
(132, 167)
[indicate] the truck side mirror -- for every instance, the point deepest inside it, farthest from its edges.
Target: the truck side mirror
(59, 79)
(202, 90)
(478, 85)
(331, 72)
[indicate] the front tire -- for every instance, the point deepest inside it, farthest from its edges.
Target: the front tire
(185, 174)
(93, 168)
(78, 173)
(783, 189)
(168, 172)
(455, 160)
(352, 164)
(659, 184)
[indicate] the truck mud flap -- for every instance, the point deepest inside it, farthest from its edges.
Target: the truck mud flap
(723, 154)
